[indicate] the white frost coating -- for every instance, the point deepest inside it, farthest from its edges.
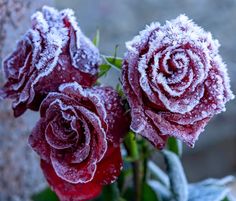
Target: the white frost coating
(178, 69)
(63, 106)
(94, 97)
(141, 39)
(85, 52)
(68, 173)
(179, 41)
(75, 86)
(75, 175)
(35, 35)
(49, 36)
(93, 118)
(39, 23)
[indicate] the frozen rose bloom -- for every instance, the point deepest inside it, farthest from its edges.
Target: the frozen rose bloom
(78, 139)
(175, 81)
(52, 52)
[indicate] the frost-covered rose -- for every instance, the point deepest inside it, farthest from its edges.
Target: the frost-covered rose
(78, 139)
(54, 51)
(175, 81)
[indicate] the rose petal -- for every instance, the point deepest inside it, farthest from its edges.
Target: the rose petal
(187, 133)
(109, 107)
(38, 142)
(53, 140)
(109, 168)
(53, 52)
(67, 191)
(174, 80)
(144, 127)
(74, 173)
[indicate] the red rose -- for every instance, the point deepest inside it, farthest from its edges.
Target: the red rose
(175, 81)
(78, 139)
(54, 51)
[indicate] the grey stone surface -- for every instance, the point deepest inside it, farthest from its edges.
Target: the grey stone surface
(119, 21)
(20, 173)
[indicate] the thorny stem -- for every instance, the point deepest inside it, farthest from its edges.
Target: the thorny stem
(133, 151)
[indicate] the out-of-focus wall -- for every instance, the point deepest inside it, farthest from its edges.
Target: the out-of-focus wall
(20, 173)
(119, 21)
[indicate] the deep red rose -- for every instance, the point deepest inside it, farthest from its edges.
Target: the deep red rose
(54, 51)
(175, 81)
(78, 139)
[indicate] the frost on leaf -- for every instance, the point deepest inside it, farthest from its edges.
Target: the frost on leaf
(175, 78)
(52, 52)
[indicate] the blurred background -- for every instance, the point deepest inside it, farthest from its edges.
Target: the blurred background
(215, 152)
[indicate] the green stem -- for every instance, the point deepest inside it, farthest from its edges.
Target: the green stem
(145, 151)
(133, 151)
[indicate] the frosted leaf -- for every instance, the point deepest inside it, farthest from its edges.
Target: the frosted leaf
(210, 189)
(174, 73)
(178, 181)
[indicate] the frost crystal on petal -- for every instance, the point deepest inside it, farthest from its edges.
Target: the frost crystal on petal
(52, 52)
(79, 134)
(176, 77)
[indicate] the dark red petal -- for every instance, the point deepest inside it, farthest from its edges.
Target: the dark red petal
(108, 169)
(38, 142)
(188, 133)
(174, 85)
(98, 132)
(84, 56)
(142, 125)
(111, 111)
(73, 173)
(55, 102)
(82, 172)
(51, 135)
(53, 52)
(67, 191)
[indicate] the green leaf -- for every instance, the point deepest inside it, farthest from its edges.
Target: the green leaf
(131, 145)
(110, 193)
(175, 146)
(114, 61)
(103, 69)
(119, 90)
(162, 191)
(129, 194)
(178, 181)
(123, 179)
(226, 199)
(96, 38)
(45, 195)
(148, 193)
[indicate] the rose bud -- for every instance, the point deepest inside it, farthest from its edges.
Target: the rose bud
(78, 140)
(175, 81)
(52, 52)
